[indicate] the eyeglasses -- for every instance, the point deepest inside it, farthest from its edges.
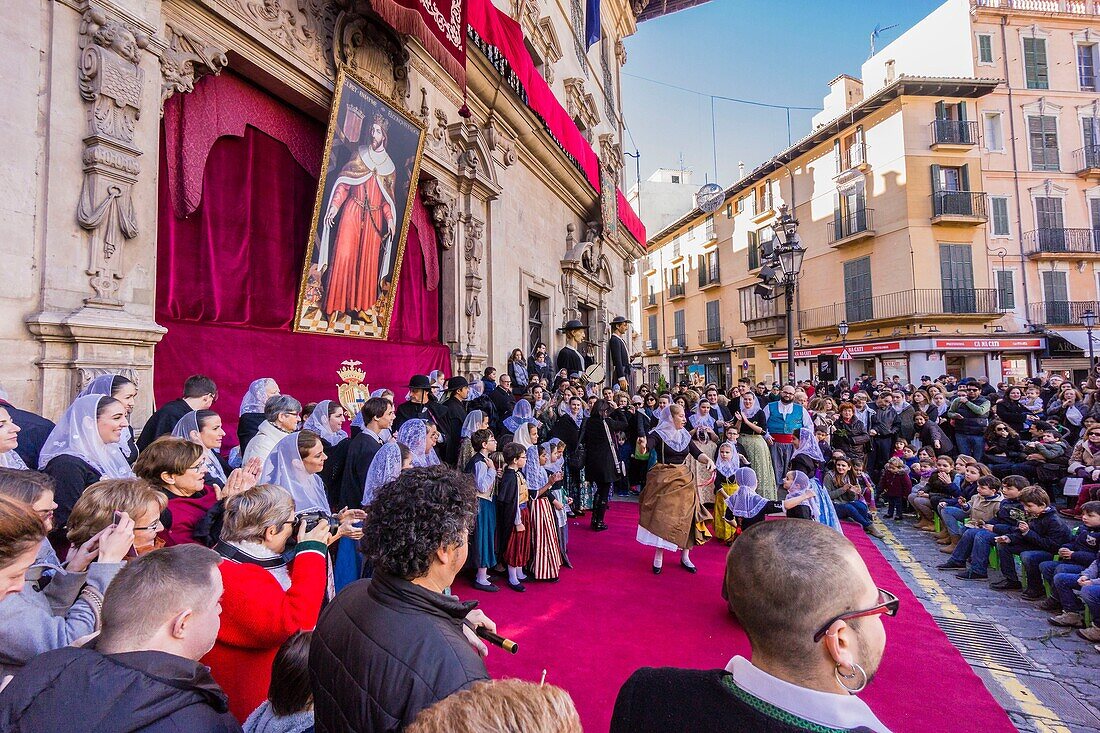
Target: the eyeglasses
(199, 467)
(888, 604)
(156, 526)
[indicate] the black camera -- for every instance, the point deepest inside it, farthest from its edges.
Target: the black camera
(314, 518)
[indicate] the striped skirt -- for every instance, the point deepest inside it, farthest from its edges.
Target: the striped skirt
(485, 534)
(545, 551)
(518, 551)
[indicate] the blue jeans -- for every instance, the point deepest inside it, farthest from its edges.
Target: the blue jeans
(953, 518)
(970, 445)
(974, 544)
(1065, 585)
(857, 511)
(1050, 568)
(1030, 559)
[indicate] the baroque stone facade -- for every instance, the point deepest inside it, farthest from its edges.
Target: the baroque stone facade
(86, 142)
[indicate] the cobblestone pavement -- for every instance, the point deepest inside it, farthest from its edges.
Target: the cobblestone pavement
(1052, 685)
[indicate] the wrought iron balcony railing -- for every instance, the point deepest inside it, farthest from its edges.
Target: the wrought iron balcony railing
(905, 304)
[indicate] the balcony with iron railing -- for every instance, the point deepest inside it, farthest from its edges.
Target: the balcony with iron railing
(650, 299)
(1090, 8)
(907, 305)
(675, 290)
(1061, 312)
(1056, 243)
(709, 276)
(1086, 161)
(963, 208)
(679, 341)
(851, 227)
(953, 134)
(710, 335)
(649, 345)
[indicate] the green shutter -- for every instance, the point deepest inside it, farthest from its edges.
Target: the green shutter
(964, 177)
(941, 110)
(935, 177)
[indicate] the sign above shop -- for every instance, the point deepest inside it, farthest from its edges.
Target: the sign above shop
(989, 344)
(853, 350)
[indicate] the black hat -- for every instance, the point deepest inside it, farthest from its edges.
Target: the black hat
(619, 319)
(456, 383)
(572, 325)
(420, 381)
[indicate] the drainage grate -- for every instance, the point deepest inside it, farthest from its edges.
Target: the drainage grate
(1062, 701)
(983, 645)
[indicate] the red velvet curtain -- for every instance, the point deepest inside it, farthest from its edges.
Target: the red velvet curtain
(228, 277)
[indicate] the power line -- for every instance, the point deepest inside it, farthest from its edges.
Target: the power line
(719, 96)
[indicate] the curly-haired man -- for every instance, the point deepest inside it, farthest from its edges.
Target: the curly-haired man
(388, 647)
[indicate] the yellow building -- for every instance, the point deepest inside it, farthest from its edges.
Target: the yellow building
(952, 220)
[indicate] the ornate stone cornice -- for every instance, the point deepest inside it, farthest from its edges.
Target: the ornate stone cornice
(187, 59)
(442, 204)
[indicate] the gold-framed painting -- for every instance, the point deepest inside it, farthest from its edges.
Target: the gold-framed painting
(361, 214)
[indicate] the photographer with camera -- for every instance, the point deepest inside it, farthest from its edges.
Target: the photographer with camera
(267, 599)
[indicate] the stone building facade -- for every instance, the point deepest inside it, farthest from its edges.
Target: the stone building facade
(516, 220)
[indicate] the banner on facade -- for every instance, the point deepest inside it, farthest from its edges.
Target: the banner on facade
(361, 215)
(439, 25)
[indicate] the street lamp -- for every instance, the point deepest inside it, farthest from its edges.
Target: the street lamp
(1089, 319)
(842, 328)
(789, 252)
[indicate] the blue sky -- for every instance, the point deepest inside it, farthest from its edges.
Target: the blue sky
(779, 51)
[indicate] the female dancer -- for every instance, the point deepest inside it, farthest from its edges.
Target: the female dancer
(670, 511)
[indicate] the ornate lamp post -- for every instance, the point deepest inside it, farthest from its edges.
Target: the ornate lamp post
(1088, 318)
(842, 329)
(789, 252)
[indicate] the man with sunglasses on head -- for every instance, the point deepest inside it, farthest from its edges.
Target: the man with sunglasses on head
(814, 620)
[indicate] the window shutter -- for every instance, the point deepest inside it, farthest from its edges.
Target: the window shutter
(935, 178)
(941, 110)
(962, 111)
(836, 155)
(964, 177)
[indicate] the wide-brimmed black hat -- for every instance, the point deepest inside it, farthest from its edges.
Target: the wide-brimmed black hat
(420, 381)
(572, 325)
(456, 383)
(620, 319)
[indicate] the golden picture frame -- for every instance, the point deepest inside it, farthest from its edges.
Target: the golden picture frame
(361, 214)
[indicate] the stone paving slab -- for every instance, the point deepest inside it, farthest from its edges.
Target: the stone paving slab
(1067, 681)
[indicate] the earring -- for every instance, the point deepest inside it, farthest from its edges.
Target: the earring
(857, 671)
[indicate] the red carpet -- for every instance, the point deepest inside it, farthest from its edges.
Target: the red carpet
(610, 615)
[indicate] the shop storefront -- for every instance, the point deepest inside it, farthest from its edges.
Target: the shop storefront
(711, 367)
(1009, 359)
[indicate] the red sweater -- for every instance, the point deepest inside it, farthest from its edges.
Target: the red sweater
(257, 617)
(187, 512)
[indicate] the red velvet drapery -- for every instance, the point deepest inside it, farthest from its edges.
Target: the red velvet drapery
(497, 29)
(228, 274)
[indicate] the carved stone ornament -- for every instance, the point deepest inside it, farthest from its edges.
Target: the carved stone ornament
(580, 104)
(473, 251)
(442, 205)
(366, 45)
(474, 160)
(111, 83)
(186, 60)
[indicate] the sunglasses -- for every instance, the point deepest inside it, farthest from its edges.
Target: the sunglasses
(888, 604)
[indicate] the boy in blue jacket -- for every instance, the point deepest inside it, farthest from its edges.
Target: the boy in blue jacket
(1036, 537)
(1075, 556)
(976, 541)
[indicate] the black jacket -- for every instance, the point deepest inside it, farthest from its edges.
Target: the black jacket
(247, 426)
(566, 430)
(852, 438)
(932, 432)
(1011, 412)
(694, 701)
(452, 413)
(360, 453)
(33, 432)
(384, 650)
(618, 361)
(601, 457)
(570, 360)
(546, 371)
(78, 689)
(1085, 545)
(162, 422)
(1047, 532)
(503, 403)
(71, 475)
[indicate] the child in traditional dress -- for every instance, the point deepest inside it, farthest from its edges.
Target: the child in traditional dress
(513, 515)
(725, 486)
(813, 498)
(561, 502)
(545, 551)
(485, 527)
